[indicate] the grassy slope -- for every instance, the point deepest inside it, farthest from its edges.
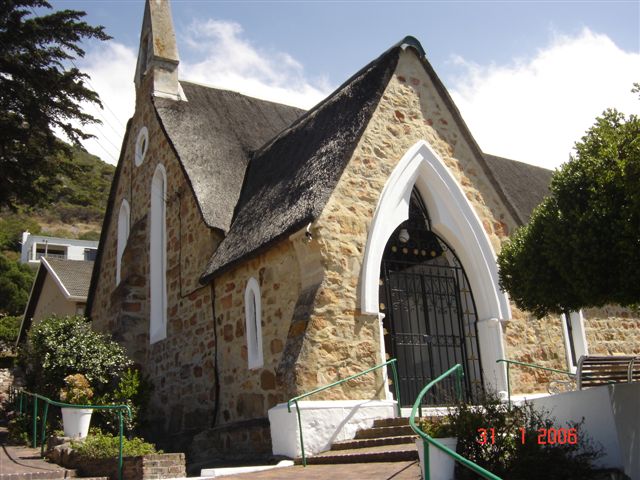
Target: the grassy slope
(78, 209)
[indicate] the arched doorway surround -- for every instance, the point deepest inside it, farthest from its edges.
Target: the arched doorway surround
(454, 220)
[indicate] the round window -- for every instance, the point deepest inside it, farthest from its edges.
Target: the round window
(142, 144)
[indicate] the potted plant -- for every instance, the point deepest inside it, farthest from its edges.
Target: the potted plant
(77, 391)
(441, 466)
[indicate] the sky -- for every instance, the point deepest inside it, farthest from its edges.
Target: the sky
(529, 77)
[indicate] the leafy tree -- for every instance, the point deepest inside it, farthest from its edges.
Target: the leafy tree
(61, 346)
(9, 327)
(40, 92)
(581, 247)
(11, 228)
(15, 285)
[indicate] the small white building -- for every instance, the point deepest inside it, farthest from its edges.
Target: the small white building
(35, 247)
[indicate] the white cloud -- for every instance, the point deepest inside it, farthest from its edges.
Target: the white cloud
(230, 61)
(111, 67)
(225, 60)
(534, 110)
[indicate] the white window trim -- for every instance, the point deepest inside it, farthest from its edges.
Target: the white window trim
(253, 326)
(158, 257)
(124, 225)
(454, 218)
(142, 140)
(579, 338)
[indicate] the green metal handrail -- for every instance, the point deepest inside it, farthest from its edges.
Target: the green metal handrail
(294, 400)
(48, 401)
(457, 369)
(530, 365)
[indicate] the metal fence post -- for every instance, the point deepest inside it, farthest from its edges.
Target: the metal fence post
(35, 422)
(394, 371)
(44, 427)
(120, 458)
(508, 386)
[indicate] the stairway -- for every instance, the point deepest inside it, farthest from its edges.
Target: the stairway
(388, 440)
(25, 463)
(47, 475)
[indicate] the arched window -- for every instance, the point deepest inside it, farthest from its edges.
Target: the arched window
(123, 235)
(253, 323)
(158, 257)
(142, 145)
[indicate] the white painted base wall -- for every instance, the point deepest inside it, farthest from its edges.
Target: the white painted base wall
(611, 418)
(323, 422)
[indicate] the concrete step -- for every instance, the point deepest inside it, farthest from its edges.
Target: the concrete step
(58, 474)
(380, 432)
(40, 475)
(398, 421)
(383, 453)
(372, 442)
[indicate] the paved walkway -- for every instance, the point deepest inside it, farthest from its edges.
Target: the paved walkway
(355, 471)
(22, 459)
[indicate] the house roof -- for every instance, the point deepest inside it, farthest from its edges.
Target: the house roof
(74, 275)
(213, 134)
(289, 181)
(72, 278)
(524, 185)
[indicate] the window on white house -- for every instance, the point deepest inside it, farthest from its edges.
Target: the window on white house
(575, 340)
(158, 257)
(123, 235)
(142, 145)
(253, 323)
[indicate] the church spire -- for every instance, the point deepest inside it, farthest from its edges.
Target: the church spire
(158, 52)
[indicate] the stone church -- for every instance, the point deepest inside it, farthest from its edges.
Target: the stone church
(253, 251)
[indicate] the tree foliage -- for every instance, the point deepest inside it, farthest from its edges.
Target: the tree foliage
(11, 227)
(9, 328)
(15, 285)
(39, 93)
(60, 346)
(581, 247)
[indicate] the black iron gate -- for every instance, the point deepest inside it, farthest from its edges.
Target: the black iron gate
(430, 317)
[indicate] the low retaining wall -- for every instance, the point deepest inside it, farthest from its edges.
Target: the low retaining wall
(323, 422)
(163, 465)
(611, 418)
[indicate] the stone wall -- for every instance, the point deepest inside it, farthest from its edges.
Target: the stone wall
(612, 330)
(340, 340)
(538, 341)
(182, 366)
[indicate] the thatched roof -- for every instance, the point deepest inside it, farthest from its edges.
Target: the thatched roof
(289, 181)
(524, 185)
(213, 134)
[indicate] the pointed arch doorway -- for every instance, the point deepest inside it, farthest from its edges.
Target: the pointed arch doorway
(430, 319)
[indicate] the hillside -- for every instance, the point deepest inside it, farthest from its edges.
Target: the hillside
(80, 199)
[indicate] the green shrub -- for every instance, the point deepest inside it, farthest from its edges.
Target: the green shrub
(102, 445)
(438, 428)
(132, 390)
(15, 284)
(11, 227)
(9, 328)
(61, 346)
(506, 454)
(18, 430)
(90, 235)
